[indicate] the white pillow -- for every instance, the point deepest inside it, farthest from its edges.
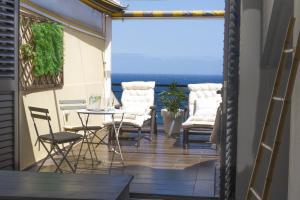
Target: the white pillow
(134, 110)
(206, 108)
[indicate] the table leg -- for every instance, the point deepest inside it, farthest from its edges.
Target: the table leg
(92, 146)
(85, 138)
(117, 131)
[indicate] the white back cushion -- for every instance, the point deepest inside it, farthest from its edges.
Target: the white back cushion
(138, 96)
(206, 109)
(203, 99)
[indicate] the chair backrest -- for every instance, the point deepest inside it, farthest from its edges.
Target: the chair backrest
(71, 105)
(138, 96)
(40, 114)
(204, 95)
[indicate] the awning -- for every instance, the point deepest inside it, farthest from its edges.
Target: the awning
(169, 14)
(105, 6)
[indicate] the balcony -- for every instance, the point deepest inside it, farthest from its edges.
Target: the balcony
(161, 168)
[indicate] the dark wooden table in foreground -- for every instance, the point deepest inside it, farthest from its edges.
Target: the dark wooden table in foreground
(30, 185)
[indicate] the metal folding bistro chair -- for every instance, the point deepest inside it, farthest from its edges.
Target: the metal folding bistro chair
(53, 139)
(69, 108)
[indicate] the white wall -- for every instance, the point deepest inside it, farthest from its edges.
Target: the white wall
(250, 52)
(83, 76)
(108, 59)
(263, 24)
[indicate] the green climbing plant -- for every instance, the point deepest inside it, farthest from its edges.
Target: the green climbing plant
(27, 51)
(48, 50)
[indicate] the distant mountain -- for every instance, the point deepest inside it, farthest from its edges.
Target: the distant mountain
(137, 63)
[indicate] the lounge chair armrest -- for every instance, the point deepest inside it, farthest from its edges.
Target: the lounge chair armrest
(153, 111)
(186, 109)
(186, 112)
(153, 123)
(118, 106)
(153, 107)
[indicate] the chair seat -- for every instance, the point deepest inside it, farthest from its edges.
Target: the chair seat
(61, 137)
(81, 128)
(195, 121)
(129, 119)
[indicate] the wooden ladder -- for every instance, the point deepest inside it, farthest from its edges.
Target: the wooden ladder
(272, 150)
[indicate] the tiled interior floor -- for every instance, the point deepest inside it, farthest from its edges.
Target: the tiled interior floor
(159, 167)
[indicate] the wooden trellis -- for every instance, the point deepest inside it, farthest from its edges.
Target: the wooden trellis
(28, 81)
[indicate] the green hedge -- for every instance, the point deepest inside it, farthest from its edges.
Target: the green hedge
(48, 53)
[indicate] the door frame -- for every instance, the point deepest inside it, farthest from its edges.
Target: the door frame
(16, 103)
(230, 94)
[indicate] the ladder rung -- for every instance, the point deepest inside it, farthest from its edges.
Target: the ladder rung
(255, 193)
(266, 147)
(289, 50)
(278, 98)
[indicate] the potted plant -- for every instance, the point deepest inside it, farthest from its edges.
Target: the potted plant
(172, 114)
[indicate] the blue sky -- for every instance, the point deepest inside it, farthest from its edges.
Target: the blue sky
(164, 46)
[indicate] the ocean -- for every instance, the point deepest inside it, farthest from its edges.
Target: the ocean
(161, 82)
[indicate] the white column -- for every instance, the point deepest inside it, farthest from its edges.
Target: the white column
(107, 59)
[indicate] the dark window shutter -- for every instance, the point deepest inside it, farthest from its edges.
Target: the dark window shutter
(9, 11)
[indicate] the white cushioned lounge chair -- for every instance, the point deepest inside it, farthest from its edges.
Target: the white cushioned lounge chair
(204, 101)
(138, 103)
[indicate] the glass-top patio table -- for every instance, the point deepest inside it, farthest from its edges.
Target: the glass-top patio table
(116, 127)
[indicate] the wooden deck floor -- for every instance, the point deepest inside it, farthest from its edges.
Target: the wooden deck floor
(160, 167)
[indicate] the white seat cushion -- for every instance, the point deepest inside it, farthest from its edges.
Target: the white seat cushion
(206, 94)
(128, 119)
(138, 85)
(206, 109)
(197, 121)
(135, 110)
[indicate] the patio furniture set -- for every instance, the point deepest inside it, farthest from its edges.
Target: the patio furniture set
(136, 111)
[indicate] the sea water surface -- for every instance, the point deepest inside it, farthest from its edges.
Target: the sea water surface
(161, 80)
